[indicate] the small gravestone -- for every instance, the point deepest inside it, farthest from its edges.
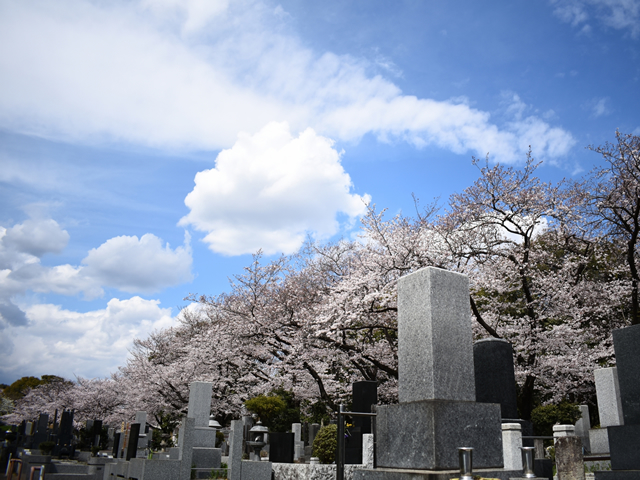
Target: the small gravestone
(132, 442)
(495, 379)
(364, 395)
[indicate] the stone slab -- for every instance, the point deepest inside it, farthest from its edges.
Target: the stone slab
(608, 393)
(582, 427)
(256, 470)
(626, 343)
(624, 444)
(435, 348)
(281, 447)
(511, 443)
(427, 435)
(619, 475)
(200, 402)
(235, 450)
(408, 474)
(204, 457)
(599, 440)
(569, 463)
(495, 378)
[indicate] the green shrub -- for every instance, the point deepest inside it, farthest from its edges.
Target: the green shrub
(546, 416)
(326, 443)
(47, 447)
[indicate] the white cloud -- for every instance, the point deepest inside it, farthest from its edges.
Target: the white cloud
(126, 263)
(269, 190)
(138, 265)
(90, 344)
(191, 75)
(618, 14)
(599, 107)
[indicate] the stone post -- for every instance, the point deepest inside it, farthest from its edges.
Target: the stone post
(569, 462)
(511, 446)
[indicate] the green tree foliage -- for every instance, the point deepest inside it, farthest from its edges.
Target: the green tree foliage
(546, 416)
(277, 411)
(326, 443)
(20, 387)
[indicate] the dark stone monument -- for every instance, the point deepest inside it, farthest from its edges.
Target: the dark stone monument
(41, 433)
(364, 395)
(96, 431)
(624, 440)
(494, 375)
(65, 437)
(116, 444)
(281, 447)
(132, 442)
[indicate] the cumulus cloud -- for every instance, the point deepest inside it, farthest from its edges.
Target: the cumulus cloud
(126, 263)
(618, 14)
(270, 189)
(139, 265)
(88, 344)
(190, 75)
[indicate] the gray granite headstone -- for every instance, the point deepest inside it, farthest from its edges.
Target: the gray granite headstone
(608, 394)
(200, 402)
(437, 413)
(435, 348)
(495, 378)
(235, 450)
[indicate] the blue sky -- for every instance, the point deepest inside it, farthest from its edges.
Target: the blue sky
(147, 148)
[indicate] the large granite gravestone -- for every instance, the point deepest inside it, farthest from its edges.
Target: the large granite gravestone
(609, 408)
(624, 440)
(494, 375)
(437, 413)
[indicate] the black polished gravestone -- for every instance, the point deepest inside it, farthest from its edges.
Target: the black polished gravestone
(281, 447)
(116, 444)
(132, 441)
(65, 446)
(364, 395)
(494, 375)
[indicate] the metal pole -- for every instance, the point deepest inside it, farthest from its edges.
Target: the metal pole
(340, 446)
(527, 462)
(465, 455)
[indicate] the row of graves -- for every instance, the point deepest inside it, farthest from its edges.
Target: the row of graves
(456, 417)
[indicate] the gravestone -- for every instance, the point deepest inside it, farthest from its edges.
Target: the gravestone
(200, 402)
(569, 462)
(609, 408)
(132, 442)
(281, 447)
(624, 440)
(583, 425)
(495, 379)
(235, 450)
(41, 433)
(116, 444)
(65, 438)
(437, 412)
(298, 444)
(364, 395)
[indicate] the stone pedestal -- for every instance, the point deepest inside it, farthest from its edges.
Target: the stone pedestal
(511, 446)
(569, 458)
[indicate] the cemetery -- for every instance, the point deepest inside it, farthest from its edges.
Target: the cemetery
(456, 417)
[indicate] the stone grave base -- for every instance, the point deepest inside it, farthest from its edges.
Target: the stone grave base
(618, 475)
(406, 474)
(624, 442)
(426, 435)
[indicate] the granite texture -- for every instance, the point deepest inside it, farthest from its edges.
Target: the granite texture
(624, 445)
(494, 375)
(204, 437)
(435, 349)
(256, 470)
(235, 450)
(296, 471)
(569, 465)
(619, 475)
(204, 457)
(367, 450)
(393, 474)
(582, 427)
(626, 343)
(200, 402)
(427, 435)
(511, 443)
(608, 393)
(599, 440)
